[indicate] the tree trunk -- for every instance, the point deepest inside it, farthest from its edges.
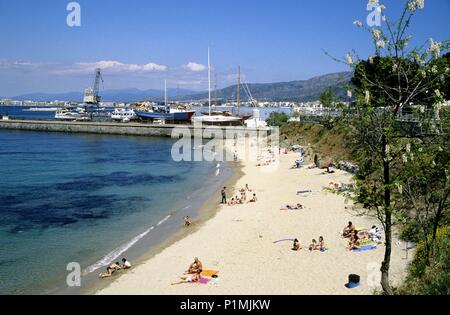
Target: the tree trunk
(387, 222)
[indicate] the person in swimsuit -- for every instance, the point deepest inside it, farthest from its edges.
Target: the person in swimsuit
(296, 245)
(348, 230)
(192, 278)
(195, 267)
(109, 272)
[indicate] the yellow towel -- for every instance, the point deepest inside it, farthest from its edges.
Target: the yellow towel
(209, 273)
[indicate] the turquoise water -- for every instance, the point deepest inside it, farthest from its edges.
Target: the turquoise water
(89, 199)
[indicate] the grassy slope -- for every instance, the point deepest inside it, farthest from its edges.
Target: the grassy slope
(331, 144)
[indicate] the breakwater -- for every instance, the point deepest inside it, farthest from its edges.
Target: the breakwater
(112, 128)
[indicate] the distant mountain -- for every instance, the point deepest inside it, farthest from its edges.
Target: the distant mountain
(301, 91)
(122, 95)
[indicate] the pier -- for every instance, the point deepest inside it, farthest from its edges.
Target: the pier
(111, 128)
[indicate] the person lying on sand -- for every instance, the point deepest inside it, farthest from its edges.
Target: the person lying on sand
(254, 199)
(116, 266)
(292, 207)
(125, 264)
(109, 272)
(296, 246)
(232, 202)
(192, 278)
(195, 267)
(348, 230)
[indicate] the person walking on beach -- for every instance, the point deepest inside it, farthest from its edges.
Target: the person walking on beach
(187, 221)
(224, 195)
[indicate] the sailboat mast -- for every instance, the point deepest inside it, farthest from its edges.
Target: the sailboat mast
(209, 80)
(165, 92)
(239, 90)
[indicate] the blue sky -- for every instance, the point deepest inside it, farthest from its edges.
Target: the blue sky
(141, 42)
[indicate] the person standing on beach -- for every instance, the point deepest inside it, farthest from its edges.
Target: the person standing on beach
(224, 195)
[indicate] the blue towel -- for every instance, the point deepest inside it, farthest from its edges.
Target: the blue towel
(364, 248)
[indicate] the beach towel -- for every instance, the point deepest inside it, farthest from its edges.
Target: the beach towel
(368, 243)
(364, 248)
(201, 281)
(209, 273)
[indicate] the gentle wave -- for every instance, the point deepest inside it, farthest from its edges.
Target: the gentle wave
(164, 220)
(113, 255)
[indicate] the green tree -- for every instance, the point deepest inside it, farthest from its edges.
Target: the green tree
(277, 119)
(395, 78)
(328, 98)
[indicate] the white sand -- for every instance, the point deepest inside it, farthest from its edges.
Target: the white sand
(238, 241)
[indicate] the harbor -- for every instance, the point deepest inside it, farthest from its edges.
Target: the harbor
(111, 128)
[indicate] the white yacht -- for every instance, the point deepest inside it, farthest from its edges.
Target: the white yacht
(123, 114)
(72, 114)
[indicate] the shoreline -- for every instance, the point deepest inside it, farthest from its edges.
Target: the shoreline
(238, 241)
(204, 213)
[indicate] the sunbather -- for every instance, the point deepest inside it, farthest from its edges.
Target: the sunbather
(348, 230)
(313, 245)
(292, 207)
(321, 245)
(296, 246)
(192, 278)
(125, 264)
(375, 234)
(109, 272)
(195, 267)
(116, 266)
(254, 199)
(354, 241)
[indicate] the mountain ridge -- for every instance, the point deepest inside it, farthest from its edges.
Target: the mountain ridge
(298, 90)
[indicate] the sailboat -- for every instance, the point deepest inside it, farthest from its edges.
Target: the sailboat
(165, 112)
(217, 118)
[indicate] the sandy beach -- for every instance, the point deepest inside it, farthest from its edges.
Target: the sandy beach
(239, 242)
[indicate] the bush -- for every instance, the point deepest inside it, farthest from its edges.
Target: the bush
(277, 119)
(432, 279)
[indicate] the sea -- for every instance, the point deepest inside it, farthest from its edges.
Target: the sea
(90, 200)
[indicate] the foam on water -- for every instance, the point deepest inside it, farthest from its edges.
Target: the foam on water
(113, 255)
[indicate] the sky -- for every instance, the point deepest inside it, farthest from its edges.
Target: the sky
(140, 43)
